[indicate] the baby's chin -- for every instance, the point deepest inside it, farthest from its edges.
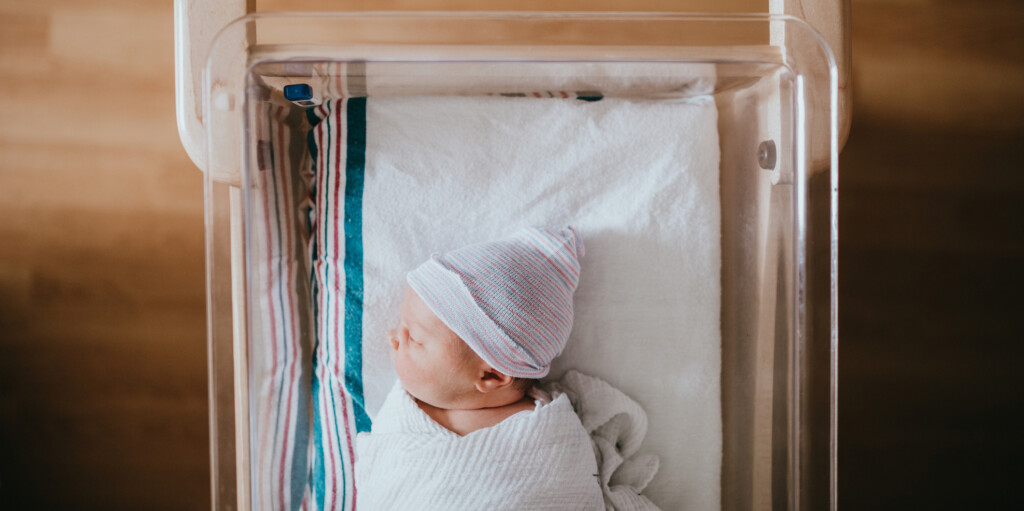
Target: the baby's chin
(419, 395)
(432, 399)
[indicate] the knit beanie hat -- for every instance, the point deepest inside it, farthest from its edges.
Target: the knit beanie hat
(510, 300)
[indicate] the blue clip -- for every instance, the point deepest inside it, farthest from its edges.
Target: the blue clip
(300, 93)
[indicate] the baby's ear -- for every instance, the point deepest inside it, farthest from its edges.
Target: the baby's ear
(492, 380)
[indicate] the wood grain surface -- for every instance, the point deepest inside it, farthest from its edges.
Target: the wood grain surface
(931, 251)
(102, 307)
(102, 330)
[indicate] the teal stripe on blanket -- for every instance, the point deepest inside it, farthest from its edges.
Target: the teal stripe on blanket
(318, 449)
(355, 168)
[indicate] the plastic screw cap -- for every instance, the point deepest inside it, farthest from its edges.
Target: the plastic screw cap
(766, 155)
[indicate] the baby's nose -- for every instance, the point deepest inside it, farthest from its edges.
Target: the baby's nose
(393, 339)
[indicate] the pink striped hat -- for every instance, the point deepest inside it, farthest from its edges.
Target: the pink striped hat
(510, 300)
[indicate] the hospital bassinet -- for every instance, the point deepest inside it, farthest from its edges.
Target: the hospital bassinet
(780, 121)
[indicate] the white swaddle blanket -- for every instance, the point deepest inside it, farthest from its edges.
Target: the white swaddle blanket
(537, 460)
(574, 451)
(617, 426)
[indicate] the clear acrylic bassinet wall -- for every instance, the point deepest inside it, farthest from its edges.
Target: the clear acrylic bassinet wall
(776, 95)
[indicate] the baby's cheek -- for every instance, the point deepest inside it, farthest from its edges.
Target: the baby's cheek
(407, 370)
(420, 380)
(401, 363)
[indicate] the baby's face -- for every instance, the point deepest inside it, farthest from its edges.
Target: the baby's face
(435, 366)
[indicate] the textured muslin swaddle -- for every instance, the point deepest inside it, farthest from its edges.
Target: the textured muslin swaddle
(537, 460)
(576, 451)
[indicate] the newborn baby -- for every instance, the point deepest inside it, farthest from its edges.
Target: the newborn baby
(464, 427)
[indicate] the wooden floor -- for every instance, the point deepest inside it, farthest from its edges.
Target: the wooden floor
(932, 258)
(102, 302)
(102, 328)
